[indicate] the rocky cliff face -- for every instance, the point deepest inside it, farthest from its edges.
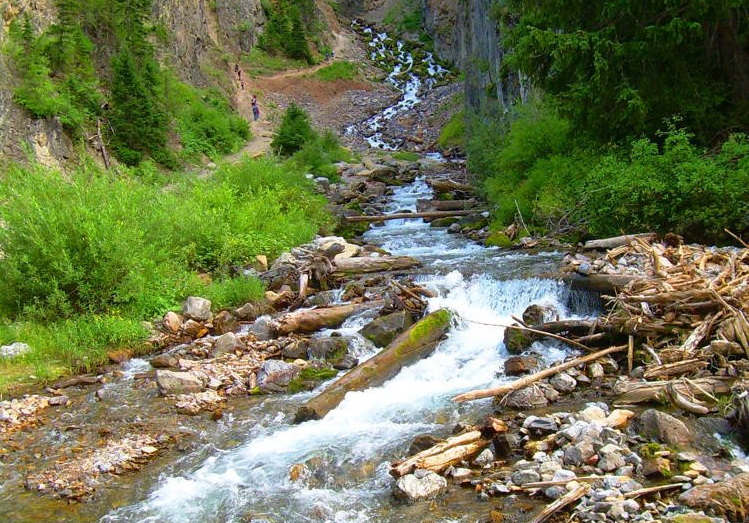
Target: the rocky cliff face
(203, 33)
(466, 35)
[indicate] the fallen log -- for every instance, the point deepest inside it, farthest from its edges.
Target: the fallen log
(617, 241)
(675, 369)
(311, 320)
(533, 378)
(561, 503)
(447, 186)
(444, 205)
(453, 450)
(657, 390)
(410, 215)
(366, 264)
(415, 343)
(601, 283)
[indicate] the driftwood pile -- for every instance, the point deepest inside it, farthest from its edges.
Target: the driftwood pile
(684, 323)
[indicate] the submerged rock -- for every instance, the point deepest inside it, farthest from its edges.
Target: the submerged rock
(171, 382)
(275, 375)
(381, 331)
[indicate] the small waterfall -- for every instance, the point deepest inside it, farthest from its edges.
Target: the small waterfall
(409, 80)
(336, 469)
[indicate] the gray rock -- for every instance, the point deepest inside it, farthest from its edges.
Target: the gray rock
(295, 349)
(527, 398)
(656, 425)
(164, 361)
(521, 477)
(226, 344)
(579, 453)
(595, 370)
(555, 492)
(486, 457)
(331, 348)
(384, 329)
(563, 382)
(347, 362)
(14, 349)
(538, 426)
(261, 328)
(420, 486)
(198, 309)
(275, 375)
(58, 401)
(171, 382)
(610, 458)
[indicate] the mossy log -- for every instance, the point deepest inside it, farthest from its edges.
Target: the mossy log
(412, 215)
(415, 343)
(347, 266)
(311, 320)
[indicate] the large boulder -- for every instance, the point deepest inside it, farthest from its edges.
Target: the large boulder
(227, 344)
(275, 375)
(656, 425)
(517, 340)
(332, 348)
(171, 382)
(729, 499)
(526, 398)
(198, 309)
(382, 330)
(420, 485)
(14, 349)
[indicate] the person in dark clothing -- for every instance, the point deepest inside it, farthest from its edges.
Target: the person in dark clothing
(255, 108)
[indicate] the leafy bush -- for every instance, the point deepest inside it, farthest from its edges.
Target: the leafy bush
(295, 130)
(677, 189)
(102, 245)
(228, 292)
(453, 134)
(206, 122)
(319, 155)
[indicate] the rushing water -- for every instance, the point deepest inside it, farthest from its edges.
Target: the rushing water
(395, 56)
(347, 454)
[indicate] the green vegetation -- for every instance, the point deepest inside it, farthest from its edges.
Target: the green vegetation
(406, 156)
(309, 377)
(453, 134)
(259, 62)
(91, 254)
(290, 24)
(340, 70)
(139, 106)
(405, 17)
(640, 123)
(308, 150)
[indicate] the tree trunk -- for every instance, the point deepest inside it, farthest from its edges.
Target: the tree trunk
(616, 241)
(415, 343)
(409, 215)
(444, 205)
(316, 319)
(448, 186)
(370, 264)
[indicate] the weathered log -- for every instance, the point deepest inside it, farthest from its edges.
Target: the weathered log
(533, 378)
(415, 343)
(454, 449)
(652, 490)
(656, 390)
(410, 215)
(561, 503)
(444, 205)
(616, 241)
(447, 186)
(674, 369)
(311, 320)
(601, 283)
(368, 264)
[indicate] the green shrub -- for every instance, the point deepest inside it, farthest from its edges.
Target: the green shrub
(295, 130)
(319, 155)
(678, 188)
(230, 292)
(453, 134)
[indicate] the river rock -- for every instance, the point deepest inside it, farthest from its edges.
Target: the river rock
(252, 310)
(521, 477)
(227, 344)
(516, 365)
(164, 361)
(275, 375)
(729, 498)
(192, 404)
(526, 398)
(656, 425)
(14, 349)
(420, 485)
(171, 322)
(563, 382)
(262, 328)
(171, 382)
(331, 348)
(295, 349)
(225, 322)
(538, 426)
(194, 329)
(198, 309)
(384, 329)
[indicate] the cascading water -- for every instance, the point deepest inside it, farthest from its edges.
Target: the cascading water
(394, 55)
(336, 469)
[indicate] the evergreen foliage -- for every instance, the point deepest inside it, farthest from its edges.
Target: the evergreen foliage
(619, 68)
(289, 24)
(295, 130)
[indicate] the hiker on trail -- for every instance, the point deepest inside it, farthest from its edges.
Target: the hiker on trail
(239, 75)
(255, 108)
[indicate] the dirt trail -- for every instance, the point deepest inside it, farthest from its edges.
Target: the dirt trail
(265, 87)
